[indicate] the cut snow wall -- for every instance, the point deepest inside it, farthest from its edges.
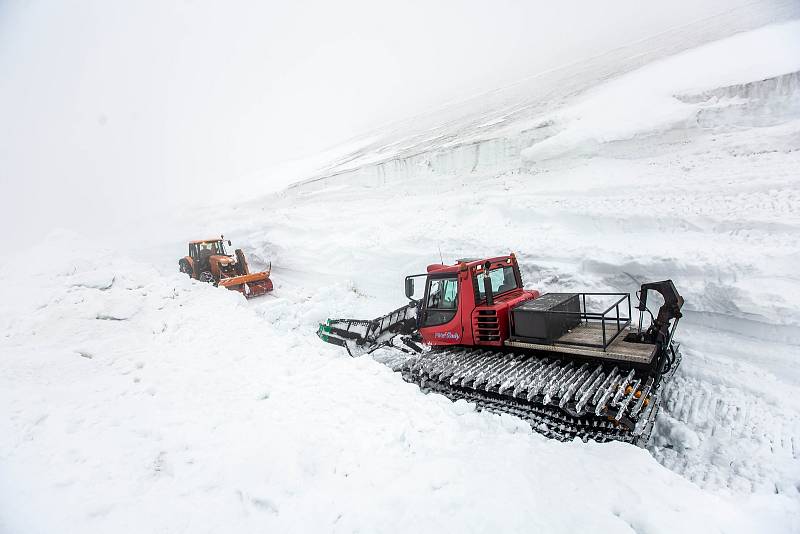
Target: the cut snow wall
(496, 155)
(760, 103)
(489, 131)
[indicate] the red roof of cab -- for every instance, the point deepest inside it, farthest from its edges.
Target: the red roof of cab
(196, 241)
(438, 267)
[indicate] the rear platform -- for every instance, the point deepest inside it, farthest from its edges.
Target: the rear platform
(586, 340)
(560, 323)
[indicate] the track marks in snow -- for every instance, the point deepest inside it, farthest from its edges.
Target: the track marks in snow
(749, 443)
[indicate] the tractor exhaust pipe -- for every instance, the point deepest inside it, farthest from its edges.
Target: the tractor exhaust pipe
(487, 285)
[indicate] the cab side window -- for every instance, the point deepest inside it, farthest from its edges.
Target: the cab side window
(443, 294)
(502, 280)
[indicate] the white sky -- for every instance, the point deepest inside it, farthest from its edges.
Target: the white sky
(112, 111)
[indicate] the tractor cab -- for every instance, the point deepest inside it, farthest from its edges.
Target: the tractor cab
(208, 247)
(202, 251)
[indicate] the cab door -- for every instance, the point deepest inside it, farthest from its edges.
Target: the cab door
(441, 322)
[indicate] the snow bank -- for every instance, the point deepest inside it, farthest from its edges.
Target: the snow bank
(136, 402)
(649, 99)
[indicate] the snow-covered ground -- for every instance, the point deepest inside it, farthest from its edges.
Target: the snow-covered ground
(136, 400)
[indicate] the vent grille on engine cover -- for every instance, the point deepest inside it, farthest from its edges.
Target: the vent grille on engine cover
(486, 326)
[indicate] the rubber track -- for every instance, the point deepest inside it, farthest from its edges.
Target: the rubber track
(561, 399)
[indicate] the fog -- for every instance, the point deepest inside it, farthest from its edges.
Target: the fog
(117, 113)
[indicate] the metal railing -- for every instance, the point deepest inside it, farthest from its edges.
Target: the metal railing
(611, 325)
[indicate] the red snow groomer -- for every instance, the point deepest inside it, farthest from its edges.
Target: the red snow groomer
(572, 364)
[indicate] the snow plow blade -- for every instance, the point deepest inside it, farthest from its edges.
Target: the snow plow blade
(361, 336)
(250, 285)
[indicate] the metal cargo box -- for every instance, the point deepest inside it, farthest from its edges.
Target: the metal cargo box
(545, 319)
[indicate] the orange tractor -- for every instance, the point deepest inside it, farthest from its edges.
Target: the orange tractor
(209, 261)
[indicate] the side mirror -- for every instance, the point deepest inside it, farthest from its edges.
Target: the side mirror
(410, 288)
(229, 242)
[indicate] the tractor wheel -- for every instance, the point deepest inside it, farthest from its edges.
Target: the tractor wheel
(185, 268)
(206, 276)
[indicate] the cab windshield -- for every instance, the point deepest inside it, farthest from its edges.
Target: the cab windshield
(214, 247)
(503, 280)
